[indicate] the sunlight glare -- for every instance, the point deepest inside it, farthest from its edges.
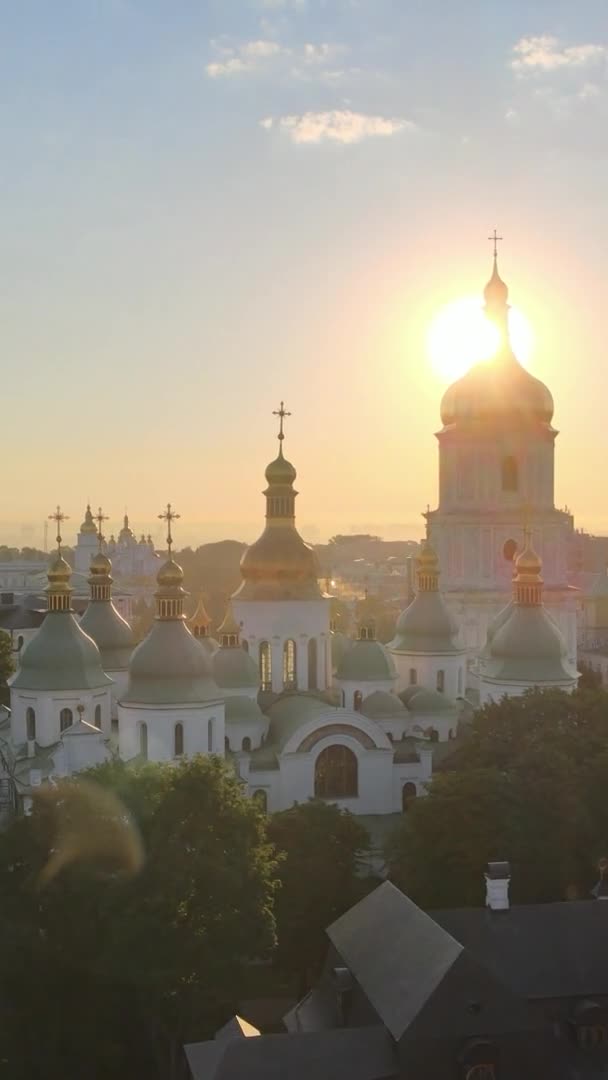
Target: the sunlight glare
(460, 336)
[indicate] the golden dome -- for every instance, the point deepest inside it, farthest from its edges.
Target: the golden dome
(528, 565)
(280, 471)
(280, 555)
(170, 575)
(100, 564)
(59, 571)
(88, 525)
(230, 627)
(427, 560)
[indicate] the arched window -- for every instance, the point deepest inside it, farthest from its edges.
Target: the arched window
(20, 641)
(408, 792)
(413, 676)
(245, 645)
(98, 716)
(509, 550)
(30, 723)
(261, 798)
(357, 700)
(265, 665)
(459, 682)
(509, 474)
(343, 699)
(226, 744)
(336, 773)
(389, 736)
(178, 740)
(433, 734)
(66, 719)
(441, 681)
(312, 664)
(210, 735)
(289, 665)
(246, 744)
(143, 741)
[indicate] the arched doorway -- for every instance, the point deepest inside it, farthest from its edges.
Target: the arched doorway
(408, 792)
(336, 773)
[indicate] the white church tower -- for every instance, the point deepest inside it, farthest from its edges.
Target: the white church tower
(496, 468)
(283, 614)
(172, 706)
(86, 542)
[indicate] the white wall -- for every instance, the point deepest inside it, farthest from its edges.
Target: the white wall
(161, 721)
(47, 706)
(280, 620)
(427, 665)
(349, 688)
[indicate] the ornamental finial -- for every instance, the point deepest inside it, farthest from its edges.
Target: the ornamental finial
(58, 517)
(169, 515)
(100, 517)
(494, 238)
(281, 413)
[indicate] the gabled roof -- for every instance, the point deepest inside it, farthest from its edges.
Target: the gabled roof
(396, 952)
(538, 950)
(365, 1053)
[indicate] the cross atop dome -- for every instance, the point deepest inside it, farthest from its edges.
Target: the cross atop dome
(494, 238)
(100, 517)
(169, 515)
(281, 412)
(58, 517)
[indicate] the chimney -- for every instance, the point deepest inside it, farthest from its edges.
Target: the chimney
(343, 984)
(498, 876)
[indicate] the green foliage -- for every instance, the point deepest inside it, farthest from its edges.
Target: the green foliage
(7, 663)
(117, 972)
(321, 847)
(528, 786)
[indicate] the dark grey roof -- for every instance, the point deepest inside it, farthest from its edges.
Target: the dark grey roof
(13, 617)
(365, 1053)
(539, 950)
(396, 952)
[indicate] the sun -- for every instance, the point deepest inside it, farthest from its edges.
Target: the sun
(460, 335)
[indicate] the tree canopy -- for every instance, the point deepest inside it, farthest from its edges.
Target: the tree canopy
(117, 971)
(528, 786)
(321, 846)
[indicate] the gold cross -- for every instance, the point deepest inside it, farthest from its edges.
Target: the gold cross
(494, 238)
(281, 413)
(100, 517)
(169, 515)
(58, 517)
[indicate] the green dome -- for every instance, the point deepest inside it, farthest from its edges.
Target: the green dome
(233, 669)
(426, 626)
(61, 656)
(209, 644)
(429, 701)
(280, 471)
(382, 704)
(366, 661)
(493, 628)
(530, 648)
(339, 645)
(242, 709)
(110, 632)
(291, 712)
(407, 694)
(170, 668)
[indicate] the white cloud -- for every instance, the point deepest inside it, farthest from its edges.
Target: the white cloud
(343, 126)
(512, 116)
(242, 58)
(588, 91)
(543, 52)
(308, 61)
(260, 48)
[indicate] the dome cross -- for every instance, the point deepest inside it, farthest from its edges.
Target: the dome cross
(281, 413)
(100, 517)
(169, 515)
(58, 517)
(494, 238)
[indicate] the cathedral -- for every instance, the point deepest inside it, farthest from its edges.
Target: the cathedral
(298, 709)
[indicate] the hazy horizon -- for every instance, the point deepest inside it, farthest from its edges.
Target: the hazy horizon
(210, 208)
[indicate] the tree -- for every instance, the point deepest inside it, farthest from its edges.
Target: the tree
(116, 970)
(7, 663)
(321, 849)
(528, 786)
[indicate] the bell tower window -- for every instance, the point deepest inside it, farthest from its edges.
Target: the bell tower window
(509, 471)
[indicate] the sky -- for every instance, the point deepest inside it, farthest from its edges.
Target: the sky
(207, 207)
